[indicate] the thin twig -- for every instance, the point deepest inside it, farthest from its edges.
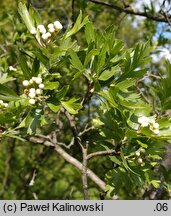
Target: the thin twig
(142, 94)
(87, 129)
(72, 125)
(100, 153)
(88, 93)
(153, 17)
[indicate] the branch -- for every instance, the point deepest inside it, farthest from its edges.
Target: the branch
(72, 126)
(87, 129)
(132, 12)
(142, 94)
(84, 171)
(99, 153)
(48, 142)
(88, 93)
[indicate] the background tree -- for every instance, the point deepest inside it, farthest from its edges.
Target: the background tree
(92, 132)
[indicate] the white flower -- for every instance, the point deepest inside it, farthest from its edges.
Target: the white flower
(39, 91)
(156, 125)
(32, 101)
(41, 86)
(58, 25)
(1, 102)
(144, 121)
(41, 29)
(50, 25)
(46, 36)
(156, 131)
(32, 90)
(33, 31)
(11, 68)
(140, 160)
(5, 105)
(25, 83)
(38, 80)
(32, 95)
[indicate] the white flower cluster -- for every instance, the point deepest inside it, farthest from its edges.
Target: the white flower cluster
(33, 92)
(145, 121)
(3, 105)
(52, 27)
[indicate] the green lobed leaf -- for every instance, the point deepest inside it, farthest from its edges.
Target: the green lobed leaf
(24, 67)
(51, 85)
(22, 9)
(80, 22)
(62, 92)
(53, 107)
(72, 106)
(89, 33)
(4, 78)
(107, 74)
(75, 61)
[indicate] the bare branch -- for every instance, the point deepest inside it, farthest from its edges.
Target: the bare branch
(100, 153)
(79, 165)
(70, 159)
(87, 129)
(157, 17)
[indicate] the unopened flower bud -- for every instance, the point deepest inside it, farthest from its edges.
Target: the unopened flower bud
(140, 161)
(156, 125)
(38, 80)
(32, 94)
(50, 25)
(51, 30)
(32, 101)
(41, 29)
(41, 86)
(32, 90)
(142, 150)
(58, 25)
(39, 91)
(137, 153)
(156, 131)
(46, 36)
(25, 83)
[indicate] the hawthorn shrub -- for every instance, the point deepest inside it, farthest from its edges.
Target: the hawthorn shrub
(80, 93)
